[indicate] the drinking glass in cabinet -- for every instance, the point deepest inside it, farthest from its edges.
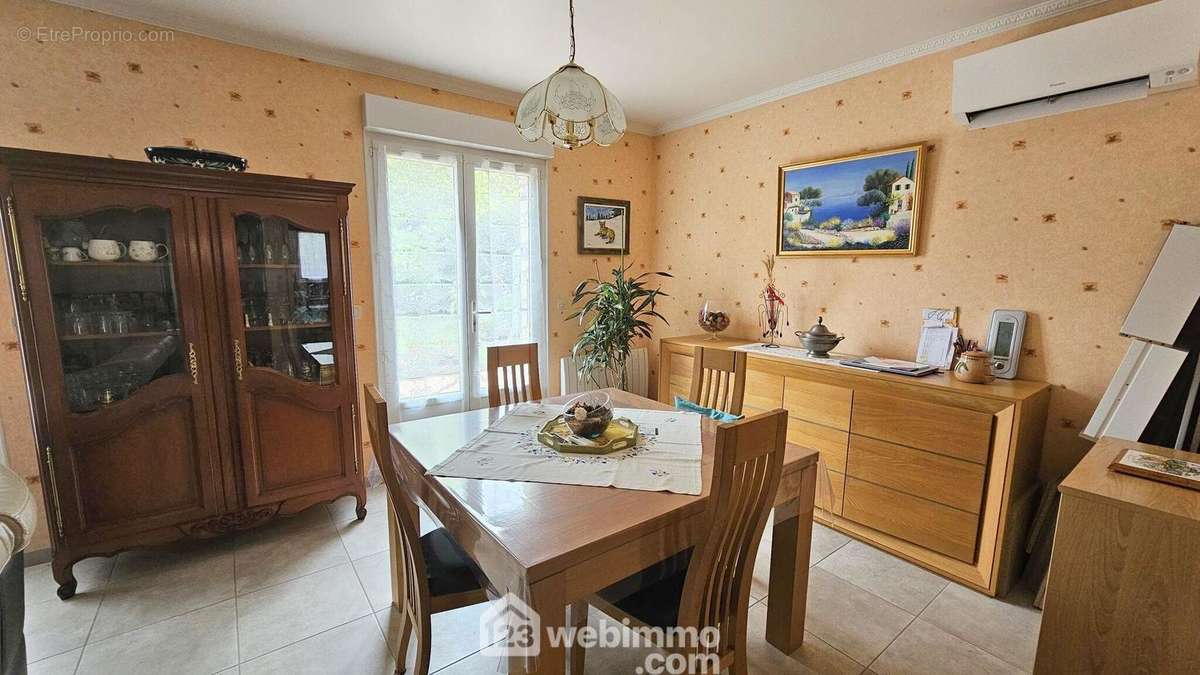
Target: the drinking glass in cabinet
(117, 317)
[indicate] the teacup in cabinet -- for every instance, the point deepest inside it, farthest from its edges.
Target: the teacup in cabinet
(106, 249)
(147, 251)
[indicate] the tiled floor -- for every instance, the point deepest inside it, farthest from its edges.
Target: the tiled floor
(311, 595)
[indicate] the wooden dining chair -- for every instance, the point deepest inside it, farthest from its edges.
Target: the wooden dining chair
(710, 585)
(438, 575)
(719, 379)
(512, 372)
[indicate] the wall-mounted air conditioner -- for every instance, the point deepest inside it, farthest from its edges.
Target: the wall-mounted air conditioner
(1119, 57)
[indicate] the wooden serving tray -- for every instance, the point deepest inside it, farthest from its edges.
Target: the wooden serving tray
(621, 434)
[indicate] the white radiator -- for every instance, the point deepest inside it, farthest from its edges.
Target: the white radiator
(638, 369)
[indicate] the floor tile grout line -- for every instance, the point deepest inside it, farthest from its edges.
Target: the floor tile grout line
(101, 592)
(105, 587)
(891, 642)
(242, 594)
(237, 605)
(931, 600)
(367, 595)
(158, 621)
(353, 569)
(240, 662)
(876, 595)
(965, 640)
(357, 576)
(813, 563)
(54, 655)
(382, 633)
(763, 601)
(78, 660)
(914, 616)
(957, 637)
(95, 617)
(459, 660)
(824, 642)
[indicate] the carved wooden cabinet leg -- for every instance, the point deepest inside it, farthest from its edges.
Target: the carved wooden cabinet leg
(64, 574)
(361, 510)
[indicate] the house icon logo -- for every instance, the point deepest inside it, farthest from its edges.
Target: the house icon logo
(510, 627)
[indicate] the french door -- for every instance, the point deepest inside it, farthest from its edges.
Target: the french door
(459, 266)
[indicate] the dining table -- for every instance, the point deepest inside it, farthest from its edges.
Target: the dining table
(554, 544)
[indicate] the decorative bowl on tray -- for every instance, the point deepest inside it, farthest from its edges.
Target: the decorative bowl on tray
(714, 316)
(588, 414)
(620, 434)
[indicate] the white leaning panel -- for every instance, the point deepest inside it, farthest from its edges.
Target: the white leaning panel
(1135, 391)
(1170, 291)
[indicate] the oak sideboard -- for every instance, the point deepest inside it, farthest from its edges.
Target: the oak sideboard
(939, 472)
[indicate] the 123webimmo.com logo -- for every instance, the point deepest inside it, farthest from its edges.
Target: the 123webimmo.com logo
(510, 628)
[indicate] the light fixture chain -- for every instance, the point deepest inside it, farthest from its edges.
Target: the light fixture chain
(571, 6)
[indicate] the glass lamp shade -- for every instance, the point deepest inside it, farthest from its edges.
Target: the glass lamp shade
(569, 109)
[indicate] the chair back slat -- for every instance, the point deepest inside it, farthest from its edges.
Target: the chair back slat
(416, 590)
(746, 472)
(512, 373)
(719, 379)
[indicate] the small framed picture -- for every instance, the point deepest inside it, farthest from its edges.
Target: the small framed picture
(1163, 469)
(603, 226)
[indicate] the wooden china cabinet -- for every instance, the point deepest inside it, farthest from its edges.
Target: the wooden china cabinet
(188, 339)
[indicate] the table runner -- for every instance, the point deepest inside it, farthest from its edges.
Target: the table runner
(667, 456)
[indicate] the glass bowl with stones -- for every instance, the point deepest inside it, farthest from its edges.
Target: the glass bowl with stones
(588, 414)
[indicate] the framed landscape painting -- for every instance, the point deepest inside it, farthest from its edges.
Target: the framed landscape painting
(603, 226)
(858, 205)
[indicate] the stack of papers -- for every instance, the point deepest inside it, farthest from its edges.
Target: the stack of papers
(890, 366)
(939, 335)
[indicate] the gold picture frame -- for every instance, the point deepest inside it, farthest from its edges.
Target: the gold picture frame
(854, 219)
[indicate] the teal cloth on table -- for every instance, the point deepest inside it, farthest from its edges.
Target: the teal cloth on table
(682, 403)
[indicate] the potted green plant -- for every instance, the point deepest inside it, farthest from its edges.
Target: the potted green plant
(613, 314)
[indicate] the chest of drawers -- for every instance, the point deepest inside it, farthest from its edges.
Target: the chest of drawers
(934, 470)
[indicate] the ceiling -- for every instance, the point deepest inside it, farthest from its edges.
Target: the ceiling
(671, 63)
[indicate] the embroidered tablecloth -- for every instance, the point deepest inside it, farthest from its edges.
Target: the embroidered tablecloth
(667, 456)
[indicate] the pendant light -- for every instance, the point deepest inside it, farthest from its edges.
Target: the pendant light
(570, 108)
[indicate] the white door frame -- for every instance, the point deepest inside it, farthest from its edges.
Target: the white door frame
(375, 144)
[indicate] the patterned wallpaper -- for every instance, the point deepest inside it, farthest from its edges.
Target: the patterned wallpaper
(1057, 216)
(288, 116)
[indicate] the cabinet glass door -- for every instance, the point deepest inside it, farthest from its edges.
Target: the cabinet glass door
(115, 311)
(283, 272)
(112, 284)
(288, 319)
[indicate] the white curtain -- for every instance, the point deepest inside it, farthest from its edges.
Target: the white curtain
(459, 263)
(508, 266)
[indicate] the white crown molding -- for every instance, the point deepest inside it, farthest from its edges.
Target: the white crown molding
(999, 24)
(322, 55)
(464, 87)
